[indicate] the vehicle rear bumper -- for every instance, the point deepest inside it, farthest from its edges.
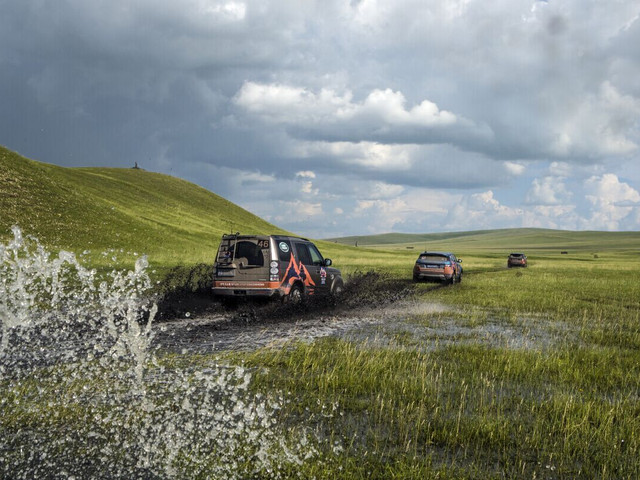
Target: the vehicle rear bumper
(247, 292)
(434, 276)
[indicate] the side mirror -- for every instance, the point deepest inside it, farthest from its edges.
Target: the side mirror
(459, 260)
(327, 262)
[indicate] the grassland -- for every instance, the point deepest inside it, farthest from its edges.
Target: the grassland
(120, 210)
(529, 373)
(524, 373)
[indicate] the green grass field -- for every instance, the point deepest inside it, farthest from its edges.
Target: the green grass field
(102, 209)
(522, 373)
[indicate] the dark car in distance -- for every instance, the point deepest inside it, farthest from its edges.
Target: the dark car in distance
(517, 260)
(438, 266)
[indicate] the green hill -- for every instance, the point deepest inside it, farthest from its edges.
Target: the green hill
(133, 210)
(528, 239)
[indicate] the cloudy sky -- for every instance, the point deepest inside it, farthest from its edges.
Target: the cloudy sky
(333, 118)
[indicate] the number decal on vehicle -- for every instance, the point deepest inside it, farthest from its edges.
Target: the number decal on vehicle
(263, 243)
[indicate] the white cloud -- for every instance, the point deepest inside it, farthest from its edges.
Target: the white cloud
(389, 107)
(287, 104)
(307, 188)
(548, 190)
(613, 203)
(235, 11)
(382, 116)
(560, 169)
(482, 210)
(608, 189)
(254, 177)
(514, 168)
(306, 174)
(603, 124)
(380, 190)
(383, 215)
(298, 211)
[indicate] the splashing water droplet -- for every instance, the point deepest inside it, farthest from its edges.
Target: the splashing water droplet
(86, 392)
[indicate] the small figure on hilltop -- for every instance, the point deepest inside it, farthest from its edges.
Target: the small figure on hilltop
(136, 167)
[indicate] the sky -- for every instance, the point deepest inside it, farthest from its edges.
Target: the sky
(332, 118)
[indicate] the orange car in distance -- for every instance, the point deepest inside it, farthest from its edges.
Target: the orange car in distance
(438, 266)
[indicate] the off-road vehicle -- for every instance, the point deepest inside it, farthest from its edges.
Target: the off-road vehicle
(517, 260)
(276, 266)
(439, 266)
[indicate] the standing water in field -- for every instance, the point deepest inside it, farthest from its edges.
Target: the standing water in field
(83, 395)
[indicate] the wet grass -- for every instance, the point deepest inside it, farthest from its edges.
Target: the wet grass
(451, 395)
(527, 373)
(472, 411)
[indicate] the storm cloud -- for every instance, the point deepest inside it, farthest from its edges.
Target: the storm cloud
(401, 115)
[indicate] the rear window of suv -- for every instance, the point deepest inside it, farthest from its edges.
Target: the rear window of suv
(250, 251)
(433, 258)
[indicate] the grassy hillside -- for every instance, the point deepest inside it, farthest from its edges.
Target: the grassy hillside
(528, 239)
(98, 209)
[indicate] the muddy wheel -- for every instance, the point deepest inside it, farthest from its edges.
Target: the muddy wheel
(295, 295)
(230, 303)
(337, 289)
(453, 279)
(416, 278)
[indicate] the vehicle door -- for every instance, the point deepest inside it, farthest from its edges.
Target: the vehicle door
(313, 264)
(457, 268)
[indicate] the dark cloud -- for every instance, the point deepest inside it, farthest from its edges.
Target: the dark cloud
(449, 96)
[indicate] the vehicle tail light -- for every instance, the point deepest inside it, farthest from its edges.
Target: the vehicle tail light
(274, 271)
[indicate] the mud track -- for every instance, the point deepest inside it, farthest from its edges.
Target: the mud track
(199, 324)
(374, 309)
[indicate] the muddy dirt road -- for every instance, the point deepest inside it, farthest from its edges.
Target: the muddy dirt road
(374, 309)
(241, 331)
(252, 328)
(192, 325)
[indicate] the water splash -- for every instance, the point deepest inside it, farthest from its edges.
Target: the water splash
(83, 394)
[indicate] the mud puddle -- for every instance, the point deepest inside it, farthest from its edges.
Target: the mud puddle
(239, 331)
(374, 310)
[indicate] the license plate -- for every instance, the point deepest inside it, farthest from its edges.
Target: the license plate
(226, 273)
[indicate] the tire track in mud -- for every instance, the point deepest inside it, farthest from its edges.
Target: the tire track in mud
(374, 309)
(230, 331)
(196, 324)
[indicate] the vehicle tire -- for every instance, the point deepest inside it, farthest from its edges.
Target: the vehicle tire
(295, 295)
(453, 279)
(229, 303)
(460, 278)
(338, 288)
(416, 278)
